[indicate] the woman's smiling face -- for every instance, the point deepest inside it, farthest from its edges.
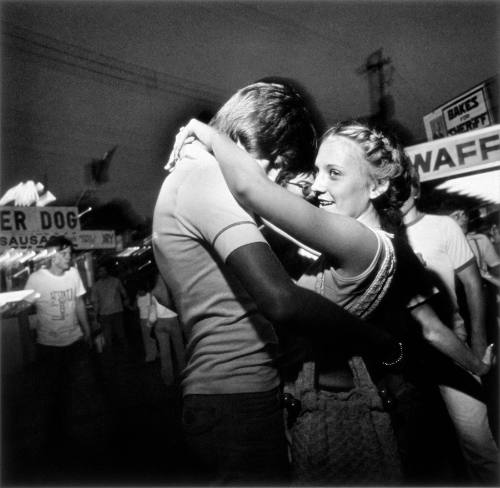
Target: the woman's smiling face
(343, 180)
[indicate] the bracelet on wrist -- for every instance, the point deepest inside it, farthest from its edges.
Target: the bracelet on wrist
(398, 359)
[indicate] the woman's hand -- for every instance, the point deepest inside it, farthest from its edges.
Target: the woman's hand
(194, 129)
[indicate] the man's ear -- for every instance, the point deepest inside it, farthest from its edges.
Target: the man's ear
(266, 165)
(378, 187)
(273, 169)
(272, 173)
(263, 163)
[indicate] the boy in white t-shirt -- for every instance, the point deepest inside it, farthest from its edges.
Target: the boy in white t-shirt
(62, 330)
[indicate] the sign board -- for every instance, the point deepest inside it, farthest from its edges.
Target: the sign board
(458, 154)
(49, 220)
(469, 111)
(435, 127)
(82, 239)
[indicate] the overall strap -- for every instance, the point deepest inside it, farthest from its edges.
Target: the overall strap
(360, 373)
(305, 381)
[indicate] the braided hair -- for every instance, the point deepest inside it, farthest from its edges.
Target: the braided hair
(388, 162)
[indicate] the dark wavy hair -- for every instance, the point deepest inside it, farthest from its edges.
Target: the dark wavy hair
(388, 162)
(59, 242)
(272, 121)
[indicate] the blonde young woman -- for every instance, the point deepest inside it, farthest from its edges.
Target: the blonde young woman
(360, 183)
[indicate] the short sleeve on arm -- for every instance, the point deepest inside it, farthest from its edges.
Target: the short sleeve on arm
(235, 236)
(79, 288)
(457, 247)
(207, 209)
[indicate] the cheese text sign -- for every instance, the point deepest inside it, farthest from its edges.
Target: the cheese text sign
(36, 219)
(456, 154)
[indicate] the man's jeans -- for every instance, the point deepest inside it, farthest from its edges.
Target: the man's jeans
(59, 372)
(112, 326)
(237, 438)
(464, 399)
(470, 418)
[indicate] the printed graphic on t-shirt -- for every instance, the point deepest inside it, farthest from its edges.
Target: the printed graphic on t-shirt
(58, 302)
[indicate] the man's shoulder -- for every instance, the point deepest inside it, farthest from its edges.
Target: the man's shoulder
(202, 162)
(473, 236)
(36, 277)
(194, 182)
(39, 273)
(433, 218)
(442, 224)
(72, 271)
(72, 274)
(116, 282)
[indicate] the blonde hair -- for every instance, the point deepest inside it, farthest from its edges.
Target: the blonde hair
(387, 162)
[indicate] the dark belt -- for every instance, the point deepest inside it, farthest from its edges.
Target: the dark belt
(336, 380)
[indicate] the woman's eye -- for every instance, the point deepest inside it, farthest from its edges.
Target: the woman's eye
(334, 172)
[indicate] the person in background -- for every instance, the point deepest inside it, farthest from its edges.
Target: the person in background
(445, 251)
(494, 236)
(487, 259)
(62, 334)
(144, 303)
(444, 248)
(168, 333)
(488, 262)
(109, 298)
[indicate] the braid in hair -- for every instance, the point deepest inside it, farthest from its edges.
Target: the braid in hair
(388, 161)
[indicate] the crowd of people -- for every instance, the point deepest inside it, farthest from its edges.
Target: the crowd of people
(271, 368)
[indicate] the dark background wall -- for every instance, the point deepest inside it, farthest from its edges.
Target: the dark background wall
(79, 78)
(64, 106)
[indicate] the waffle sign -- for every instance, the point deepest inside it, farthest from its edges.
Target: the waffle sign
(458, 154)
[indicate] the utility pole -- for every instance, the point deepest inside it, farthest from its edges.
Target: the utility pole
(379, 71)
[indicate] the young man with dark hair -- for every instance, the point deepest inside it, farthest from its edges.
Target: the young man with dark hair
(229, 290)
(109, 298)
(443, 247)
(62, 330)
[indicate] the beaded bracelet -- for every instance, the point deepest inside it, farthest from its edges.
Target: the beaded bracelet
(398, 359)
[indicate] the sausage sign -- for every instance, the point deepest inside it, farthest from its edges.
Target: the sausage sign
(459, 154)
(82, 239)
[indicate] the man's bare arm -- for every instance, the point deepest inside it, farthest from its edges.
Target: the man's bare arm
(81, 313)
(471, 280)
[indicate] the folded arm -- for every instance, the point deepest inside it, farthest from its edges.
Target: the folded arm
(471, 281)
